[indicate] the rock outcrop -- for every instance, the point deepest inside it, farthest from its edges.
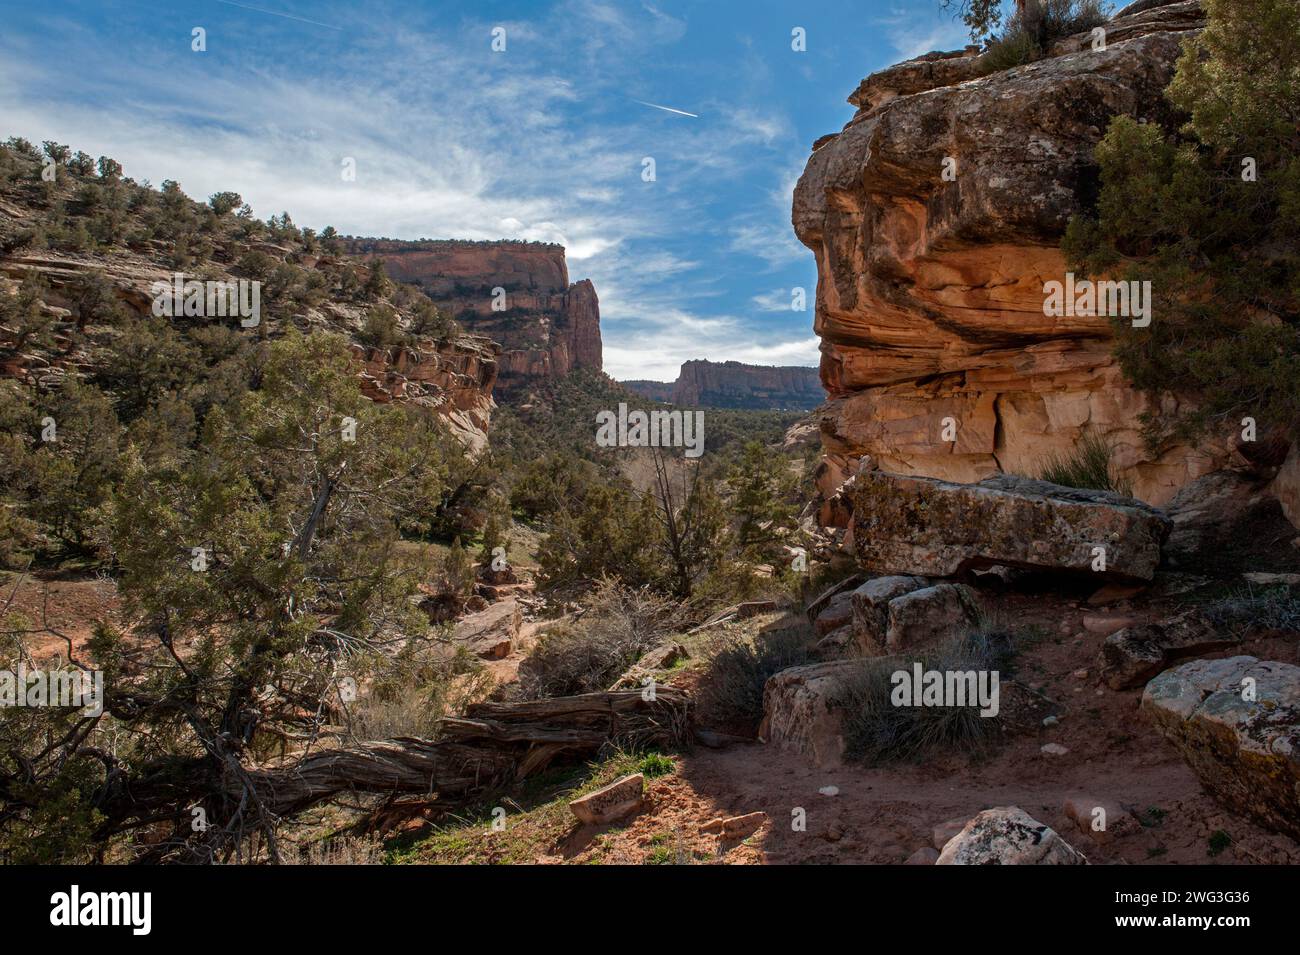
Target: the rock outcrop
(922, 526)
(546, 326)
(1133, 655)
(732, 384)
(1236, 722)
(1008, 836)
(936, 216)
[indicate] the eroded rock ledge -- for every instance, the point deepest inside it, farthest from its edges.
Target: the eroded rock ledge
(930, 292)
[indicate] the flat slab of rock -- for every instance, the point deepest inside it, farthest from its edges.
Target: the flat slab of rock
(1236, 723)
(611, 803)
(1008, 836)
(923, 526)
(490, 633)
(1135, 654)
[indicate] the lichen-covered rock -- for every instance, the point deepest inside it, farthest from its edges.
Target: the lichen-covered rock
(915, 525)
(931, 615)
(1236, 722)
(1131, 656)
(1008, 836)
(871, 608)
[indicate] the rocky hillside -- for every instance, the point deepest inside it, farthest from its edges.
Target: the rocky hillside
(733, 384)
(547, 326)
(936, 216)
(85, 241)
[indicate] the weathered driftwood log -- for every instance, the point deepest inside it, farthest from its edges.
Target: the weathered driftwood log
(493, 744)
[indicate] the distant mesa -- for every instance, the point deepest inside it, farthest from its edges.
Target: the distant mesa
(548, 327)
(733, 384)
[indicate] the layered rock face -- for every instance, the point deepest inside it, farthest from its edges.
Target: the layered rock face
(936, 216)
(547, 327)
(733, 384)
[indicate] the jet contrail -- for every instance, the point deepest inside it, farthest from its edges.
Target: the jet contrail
(668, 109)
(287, 16)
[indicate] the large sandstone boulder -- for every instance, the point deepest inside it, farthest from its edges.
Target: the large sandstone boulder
(491, 633)
(935, 216)
(801, 711)
(893, 614)
(1008, 836)
(1236, 722)
(914, 525)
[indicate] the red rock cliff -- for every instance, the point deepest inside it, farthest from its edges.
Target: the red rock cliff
(732, 384)
(548, 327)
(930, 290)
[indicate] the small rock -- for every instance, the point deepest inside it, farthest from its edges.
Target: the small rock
(1050, 721)
(1008, 836)
(829, 790)
(1103, 625)
(610, 803)
(1053, 749)
(1081, 674)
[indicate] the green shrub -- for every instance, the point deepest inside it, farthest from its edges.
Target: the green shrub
(1088, 466)
(876, 731)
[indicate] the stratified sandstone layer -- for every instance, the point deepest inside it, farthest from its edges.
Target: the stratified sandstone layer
(733, 384)
(930, 290)
(548, 327)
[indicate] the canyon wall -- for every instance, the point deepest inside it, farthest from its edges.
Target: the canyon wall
(548, 327)
(936, 353)
(732, 384)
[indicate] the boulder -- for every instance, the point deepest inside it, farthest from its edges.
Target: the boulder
(930, 615)
(1008, 836)
(1236, 723)
(801, 711)
(610, 803)
(871, 608)
(923, 526)
(490, 633)
(1131, 656)
(837, 613)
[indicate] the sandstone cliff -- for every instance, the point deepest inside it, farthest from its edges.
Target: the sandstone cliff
(733, 384)
(548, 327)
(930, 289)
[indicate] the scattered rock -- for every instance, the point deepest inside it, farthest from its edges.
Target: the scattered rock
(1050, 721)
(1008, 836)
(1135, 654)
(611, 803)
(1243, 750)
(871, 608)
(923, 526)
(837, 613)
(829, 790)
(1053, 749)
(1102, 820)
(735, 827)
(490, 633)
(1104, 624)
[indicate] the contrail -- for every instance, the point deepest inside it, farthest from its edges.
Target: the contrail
(668, 109)
(287, 16)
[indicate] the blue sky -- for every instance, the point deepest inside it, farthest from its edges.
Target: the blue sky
(545, 140)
